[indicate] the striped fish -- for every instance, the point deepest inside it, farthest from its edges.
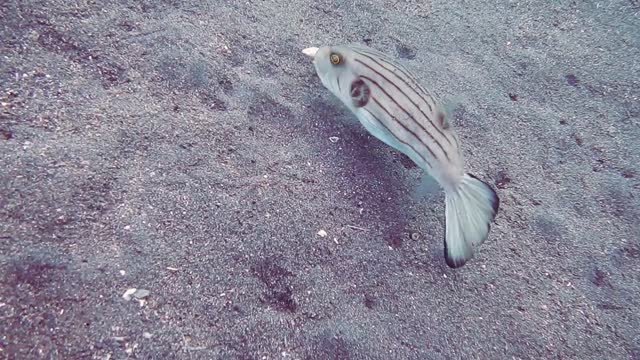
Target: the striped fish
(395, 108)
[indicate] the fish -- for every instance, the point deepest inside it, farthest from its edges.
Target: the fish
(393, 106)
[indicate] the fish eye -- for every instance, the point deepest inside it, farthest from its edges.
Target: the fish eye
(335, 58)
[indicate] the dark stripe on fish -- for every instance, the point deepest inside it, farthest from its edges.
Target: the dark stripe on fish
(404, 80)
(409, 114)
(393, 118)
(393, 65)
(395, 135)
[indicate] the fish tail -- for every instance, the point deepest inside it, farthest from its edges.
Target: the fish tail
(470, 209)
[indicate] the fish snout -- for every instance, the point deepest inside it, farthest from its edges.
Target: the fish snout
(310, 51)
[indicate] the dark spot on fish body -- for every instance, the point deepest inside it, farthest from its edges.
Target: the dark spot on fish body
(442, 120)
(572, 80)
(360, 93)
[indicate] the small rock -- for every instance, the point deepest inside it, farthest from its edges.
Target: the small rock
(127, 294)
(334, 139)
(141, 294)
(147, 335)
(322, 233)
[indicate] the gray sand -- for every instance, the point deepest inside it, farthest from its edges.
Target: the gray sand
(185, 149)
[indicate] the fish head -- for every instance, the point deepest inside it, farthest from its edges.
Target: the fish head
(335, 67)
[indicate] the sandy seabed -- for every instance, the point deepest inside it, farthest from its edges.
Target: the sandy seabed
(187, 149)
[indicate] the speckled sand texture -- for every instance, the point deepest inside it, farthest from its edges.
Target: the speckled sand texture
(186, 154)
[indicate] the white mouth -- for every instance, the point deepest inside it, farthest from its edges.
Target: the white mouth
(310, 52)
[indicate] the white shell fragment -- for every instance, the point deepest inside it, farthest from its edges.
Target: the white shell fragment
(322, 233)
(310, 51)
(127, 294)
(137, 293)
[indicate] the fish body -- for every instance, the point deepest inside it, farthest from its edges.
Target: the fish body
(395, 108)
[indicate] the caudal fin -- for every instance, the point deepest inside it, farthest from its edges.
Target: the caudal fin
(470, 209)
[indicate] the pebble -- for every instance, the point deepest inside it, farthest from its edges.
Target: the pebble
(141, 293)
(137, 293)
(127, 294)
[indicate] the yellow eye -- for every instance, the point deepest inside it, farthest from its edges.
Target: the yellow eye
(335, 59)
